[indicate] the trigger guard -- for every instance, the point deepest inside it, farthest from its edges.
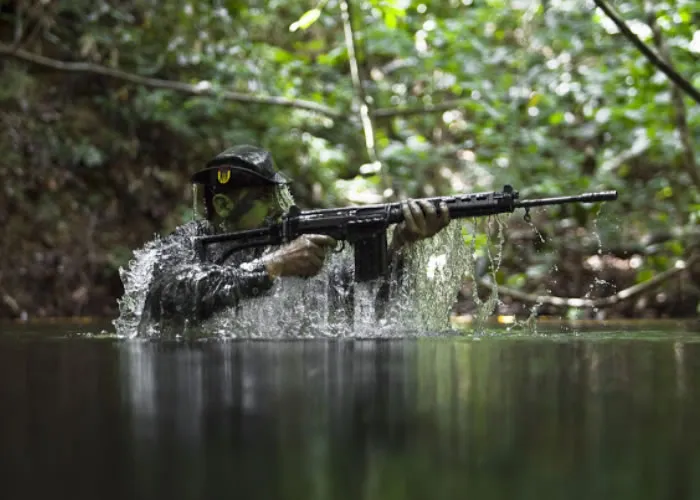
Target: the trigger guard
(339, 248)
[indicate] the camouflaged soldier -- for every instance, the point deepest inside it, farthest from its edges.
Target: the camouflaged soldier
(243, 190)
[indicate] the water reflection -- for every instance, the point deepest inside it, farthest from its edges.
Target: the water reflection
(438, 418)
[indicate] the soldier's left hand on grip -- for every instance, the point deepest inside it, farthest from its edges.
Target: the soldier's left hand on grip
(421, 220)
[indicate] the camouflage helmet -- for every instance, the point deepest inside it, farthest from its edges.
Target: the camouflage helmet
(240, 166)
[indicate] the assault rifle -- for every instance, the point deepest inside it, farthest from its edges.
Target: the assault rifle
(365, 226)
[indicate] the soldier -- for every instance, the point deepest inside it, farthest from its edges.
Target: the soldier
(244, 190)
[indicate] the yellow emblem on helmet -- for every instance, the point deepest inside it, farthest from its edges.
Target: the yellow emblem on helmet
(223, 175)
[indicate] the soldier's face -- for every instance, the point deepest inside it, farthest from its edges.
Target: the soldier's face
(247, 208)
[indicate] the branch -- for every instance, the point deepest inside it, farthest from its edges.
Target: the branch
(96, 69)
(625, 294)
(677, 99)
(648, 52)
(406, 111)
(185, 88)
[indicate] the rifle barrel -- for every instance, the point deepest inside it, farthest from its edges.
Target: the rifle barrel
(581, 198)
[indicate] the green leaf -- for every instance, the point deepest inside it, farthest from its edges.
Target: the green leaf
(390, 20)
(676, 247)
(644, 275)
(556, 118)
(306, 20)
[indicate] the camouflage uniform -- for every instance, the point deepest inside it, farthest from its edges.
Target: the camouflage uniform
(184, 290)
(181, 290)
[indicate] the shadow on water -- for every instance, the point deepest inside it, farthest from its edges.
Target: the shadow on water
(484, 416)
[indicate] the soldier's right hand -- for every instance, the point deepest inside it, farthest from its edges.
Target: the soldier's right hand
(303, 256)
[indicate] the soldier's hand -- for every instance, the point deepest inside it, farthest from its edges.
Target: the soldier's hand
(421, 220)
(302, 257)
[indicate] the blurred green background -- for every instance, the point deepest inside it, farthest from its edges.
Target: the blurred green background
(108, 107)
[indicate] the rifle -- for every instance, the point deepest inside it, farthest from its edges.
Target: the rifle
(365, 226)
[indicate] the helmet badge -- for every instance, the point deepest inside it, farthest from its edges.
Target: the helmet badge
(223, 175)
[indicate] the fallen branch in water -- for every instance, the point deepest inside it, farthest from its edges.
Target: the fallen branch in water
(611, 300)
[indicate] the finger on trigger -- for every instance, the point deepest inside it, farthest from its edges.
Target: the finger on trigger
(322, 239)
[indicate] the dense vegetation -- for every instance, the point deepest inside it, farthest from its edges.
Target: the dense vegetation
(107, 107)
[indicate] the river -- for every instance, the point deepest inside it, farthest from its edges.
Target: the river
(565, 413)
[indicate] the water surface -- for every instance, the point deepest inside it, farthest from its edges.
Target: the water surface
(575, 414)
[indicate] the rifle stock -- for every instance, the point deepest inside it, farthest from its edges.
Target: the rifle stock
(365, 226)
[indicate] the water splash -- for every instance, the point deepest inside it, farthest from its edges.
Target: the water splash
(484, 309)
(315, 307)
(436, 268)
(137, 275)
(300, 308)
(135, 279)
(596, 231)
(197, 209)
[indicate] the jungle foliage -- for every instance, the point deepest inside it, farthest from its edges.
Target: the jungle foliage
(108, 107)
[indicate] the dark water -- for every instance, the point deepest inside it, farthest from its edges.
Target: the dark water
(567, 416)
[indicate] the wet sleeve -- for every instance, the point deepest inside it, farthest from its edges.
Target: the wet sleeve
(195, 291)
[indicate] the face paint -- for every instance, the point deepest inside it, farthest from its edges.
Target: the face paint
(255, 217)
(251, 208)
(243, 203)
